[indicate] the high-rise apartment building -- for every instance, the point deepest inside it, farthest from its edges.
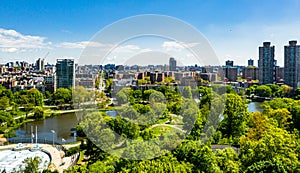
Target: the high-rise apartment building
(229, 63)
(250, 62)
(231, 73)
(40, 64)
(292, 64)
(172, 64)
(266, 64)
(65, 73)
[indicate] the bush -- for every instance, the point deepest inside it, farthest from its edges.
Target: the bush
(72, 151)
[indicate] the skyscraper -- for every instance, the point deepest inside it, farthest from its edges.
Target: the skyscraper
(250, 62)
(65, 73)
(266, 64)
(40, 64)
(172, 64)
(292, 64)
(229, 63)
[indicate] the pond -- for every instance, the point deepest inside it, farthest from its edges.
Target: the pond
(255, 107)
(63, 126)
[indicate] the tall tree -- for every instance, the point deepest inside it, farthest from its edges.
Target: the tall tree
(233, 124)
(35, 97)
(263, 91)
(4, 102)
(275, 146)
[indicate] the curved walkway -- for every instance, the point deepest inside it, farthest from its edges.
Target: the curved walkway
(167, 125)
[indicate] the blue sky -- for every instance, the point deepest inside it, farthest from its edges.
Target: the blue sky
(235, 28)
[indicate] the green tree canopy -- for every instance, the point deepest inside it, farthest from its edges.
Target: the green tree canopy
(35, 97)
(263, 91)
(235, 114)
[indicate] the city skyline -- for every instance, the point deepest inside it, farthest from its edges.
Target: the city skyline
(29, 30)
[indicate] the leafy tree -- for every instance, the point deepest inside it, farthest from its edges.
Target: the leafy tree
(122, 98)
(274, 144)
(167, 163)
(77, 169)
(108, 85)
(228, 160)
(295, 111)
(189, 112)
(95, 127)
(101, 167)
(128, 112)
(287, 90)
(141, 150)
(272, 165)
(258, 124)
(142, 109)
(263, 91)
(4, 103)
(62, 96)
(278, 103)
(282, 116)
(277, 91)
(5, 92)
(205, 96)
(162, 89)
(137, 94)
(229, 89)
(201, 156)
(233, 124)
(31, 166)
(169, 80)
(48, 95)
(35, 97)
(147, 94)
(187, 92)
(174, 107)
(297, 94)
(250, 90)
(80, 95)
(38, 112)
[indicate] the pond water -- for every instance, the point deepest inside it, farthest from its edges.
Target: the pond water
(62, 126)
(255, 107)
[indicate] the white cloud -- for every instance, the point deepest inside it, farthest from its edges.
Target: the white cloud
(177, 46)
(127, 49)
(9, 50)
(80, 44)
(13, 41)
(130, 48)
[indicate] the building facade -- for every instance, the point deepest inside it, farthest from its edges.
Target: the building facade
(250, 62)
(40, 64)
(229, 63)
(231, 73)
(250, 73)
(65, 73)
(172, 64)
(292, 64)
(266, 64)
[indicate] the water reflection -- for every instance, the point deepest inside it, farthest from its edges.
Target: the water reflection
(61, 124)
(255, 107)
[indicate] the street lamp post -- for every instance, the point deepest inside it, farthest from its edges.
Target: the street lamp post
(53, 132)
